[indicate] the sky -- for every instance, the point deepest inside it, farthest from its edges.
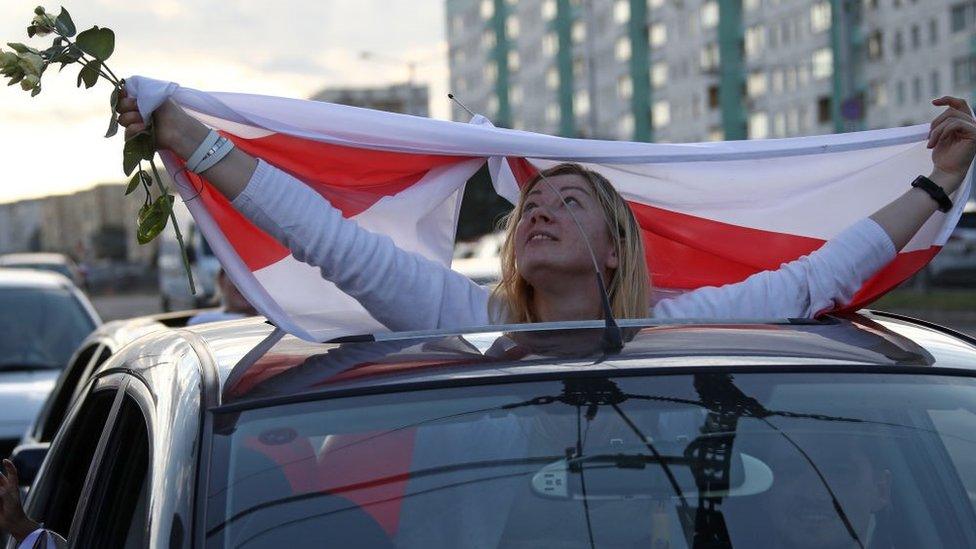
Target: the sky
(53, 144)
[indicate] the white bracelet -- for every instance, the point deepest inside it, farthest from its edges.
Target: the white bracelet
(220, 150)
(205, 148)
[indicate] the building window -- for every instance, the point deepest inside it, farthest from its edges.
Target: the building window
(779, 125)
(933, 31)
(579, 32)
(823, 110)
(776, 81)
(792, 122)
(661, 115)
(487, 9)
(916, 89)
(756, 84)
(790, 79)
(581, 103)
(491, 72)
(963, 71)
(625, 87)
(552, 113)
(709, 14)
(823, 63)
(710, 57)
(713, 99)
(549, 9)
(552, 78)
(875, 46)
(820, 17)
(900, 92)
(659, 74)
(916, 37)
(899, 45)
(488, 40)
(627, 126)
(658, 35)
(623, 49)
(512, 27)
(550, 44)
(934, 84)
(515, 95)
(962, 16)
(716, 133)
(878, 96)
(621, 11)
(758, 125)
(514, 62)
(749, 5)
(755, 39)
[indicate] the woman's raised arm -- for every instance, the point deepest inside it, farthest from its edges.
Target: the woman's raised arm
(401, 289)
(952, 138)
(181, 133)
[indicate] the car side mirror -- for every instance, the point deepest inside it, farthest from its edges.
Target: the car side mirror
(27, 459)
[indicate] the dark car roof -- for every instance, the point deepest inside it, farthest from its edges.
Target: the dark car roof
(293, 367)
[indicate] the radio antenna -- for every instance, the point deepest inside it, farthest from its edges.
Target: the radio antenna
(452, 97)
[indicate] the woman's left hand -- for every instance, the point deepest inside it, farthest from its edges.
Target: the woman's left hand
(952, 138)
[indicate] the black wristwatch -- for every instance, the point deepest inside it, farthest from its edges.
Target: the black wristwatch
(936, 192)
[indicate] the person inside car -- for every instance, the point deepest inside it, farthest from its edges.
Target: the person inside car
(26, 532)
(799, 509)
(233, 304)
(548, 273)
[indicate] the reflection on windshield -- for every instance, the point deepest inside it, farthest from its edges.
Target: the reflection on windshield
(707, 460)
(40, 328)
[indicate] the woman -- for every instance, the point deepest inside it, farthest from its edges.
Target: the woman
(547, 270)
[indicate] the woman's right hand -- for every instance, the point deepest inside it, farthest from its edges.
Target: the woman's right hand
(12, 517)
(171, 123)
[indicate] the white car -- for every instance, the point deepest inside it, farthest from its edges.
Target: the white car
(58, 263)
(43, 318)
(174, 289)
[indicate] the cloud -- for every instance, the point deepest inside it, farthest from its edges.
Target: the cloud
(290, 48)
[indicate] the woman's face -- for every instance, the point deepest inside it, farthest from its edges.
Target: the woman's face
(548, 244)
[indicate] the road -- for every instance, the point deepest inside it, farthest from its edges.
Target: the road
(115, 307)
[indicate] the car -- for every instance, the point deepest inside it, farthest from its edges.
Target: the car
(101, 344)
(955, 264)
(174, 288)
(852, 430)
(43, 317)
(43, 261)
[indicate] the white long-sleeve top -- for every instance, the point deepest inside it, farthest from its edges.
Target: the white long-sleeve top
(406, 291)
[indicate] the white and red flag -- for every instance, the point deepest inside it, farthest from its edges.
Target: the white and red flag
(711, 213)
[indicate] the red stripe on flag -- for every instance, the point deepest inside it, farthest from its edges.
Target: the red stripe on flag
(688, 252)
(352, 179)
(903, 267)
(255, 247)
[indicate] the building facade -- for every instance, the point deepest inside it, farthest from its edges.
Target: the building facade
(402, 98)
(698, 70)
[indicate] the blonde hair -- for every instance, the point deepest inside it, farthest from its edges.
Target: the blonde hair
(629, 285)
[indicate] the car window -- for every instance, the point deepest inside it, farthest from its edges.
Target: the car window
(115, 514)
(54, 498)
(68, 386)
(679, 461)
(40, 327)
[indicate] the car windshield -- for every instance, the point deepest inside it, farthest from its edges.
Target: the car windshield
(967, 221)
(40, 327)
(678, 461)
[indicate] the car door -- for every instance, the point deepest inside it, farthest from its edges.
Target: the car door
(61, 481)
(113, 508)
